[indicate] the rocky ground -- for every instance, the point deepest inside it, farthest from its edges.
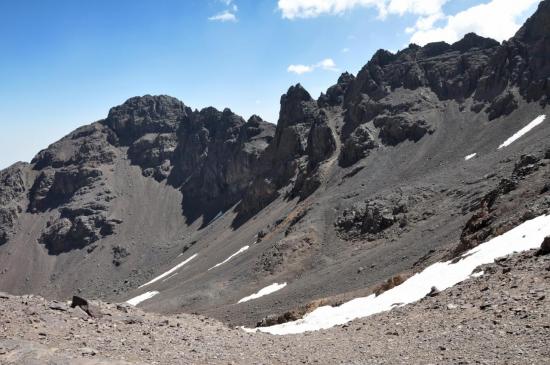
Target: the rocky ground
(501, 317)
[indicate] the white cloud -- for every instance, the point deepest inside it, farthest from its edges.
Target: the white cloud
(299, 69)
(497, 19)
(228, 15)
(292, 9)
(420, 7)
(326, 64)
(224, 16)
(345, 50)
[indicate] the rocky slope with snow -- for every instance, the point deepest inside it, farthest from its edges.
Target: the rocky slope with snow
(424, 155)
(500, 317)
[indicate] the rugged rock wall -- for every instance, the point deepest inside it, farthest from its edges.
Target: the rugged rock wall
(345, 192)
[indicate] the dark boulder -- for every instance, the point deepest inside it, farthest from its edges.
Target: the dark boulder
(357, 146)
(502, 105)
(544, 247)
(395, 129)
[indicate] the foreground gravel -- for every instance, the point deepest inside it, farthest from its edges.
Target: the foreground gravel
(502, 317)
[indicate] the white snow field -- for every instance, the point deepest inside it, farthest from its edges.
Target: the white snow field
(175, 268)
(538, 120)
(141, 298)
(442, 275)
(265, 291)
(230, 257)
(469, 157)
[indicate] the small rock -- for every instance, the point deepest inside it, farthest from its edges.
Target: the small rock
(433, 292)
(87, 351)
(123, 307)
(544, 247)
(62, 307)
(485, 305)
(91, 309)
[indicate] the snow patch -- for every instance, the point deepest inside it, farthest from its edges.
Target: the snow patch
(441, 275)
(538, 120)
(469, 157)
(170, 277)
(141, 298)
(178, 266)
(477, 274)
(265, 291)
(230, 257)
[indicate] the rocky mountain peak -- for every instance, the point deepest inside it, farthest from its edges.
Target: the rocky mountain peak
(471, 41)
(292, 105)
(335, 94)
(146, 114)
(537, 26)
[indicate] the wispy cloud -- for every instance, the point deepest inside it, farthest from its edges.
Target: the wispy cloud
(432, 23)
(224, 16)
(326, 64)
(228, 15)
(479, 19)
(292, 9)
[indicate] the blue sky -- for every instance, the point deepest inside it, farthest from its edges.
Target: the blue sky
(65, 63)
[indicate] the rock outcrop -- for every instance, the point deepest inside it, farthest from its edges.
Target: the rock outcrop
(370, 218)
(13, 185)
(303, 139)
(216, 158)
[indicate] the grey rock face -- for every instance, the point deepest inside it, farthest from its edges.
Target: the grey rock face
(153, 153)
(56, 187)
(216, 157)
(302, 140)
(13, 181)
(148, 114)
(335, 94)
(369, 218)
(502, 105)
(395, 129)
(357, 146)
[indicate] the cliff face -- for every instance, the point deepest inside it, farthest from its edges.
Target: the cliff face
(370, 178)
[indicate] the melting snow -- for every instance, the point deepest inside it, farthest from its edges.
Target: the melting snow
(170, 277)
(178, 266)
(230, 257)
(265, 291)
(442, 275)
(538, 120)
(477, 274)
(469, 157)
(141, 298)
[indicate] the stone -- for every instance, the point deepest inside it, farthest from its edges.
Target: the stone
(433, 292)
(544, 247)
(62, 307)
(92, 310)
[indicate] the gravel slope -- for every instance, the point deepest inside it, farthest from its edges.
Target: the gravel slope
(501, 317)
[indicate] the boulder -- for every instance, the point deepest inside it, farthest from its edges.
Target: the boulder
(357, 146)
(544, 247)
